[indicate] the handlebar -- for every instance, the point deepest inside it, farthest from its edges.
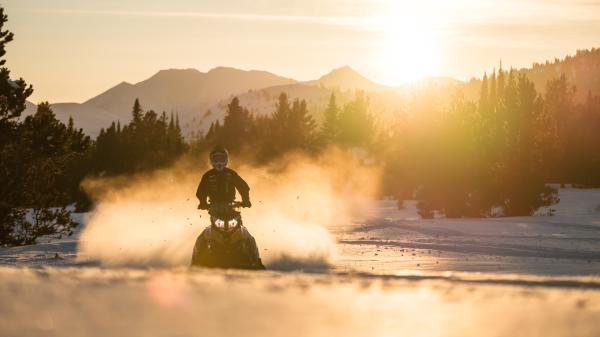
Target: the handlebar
(233, 204)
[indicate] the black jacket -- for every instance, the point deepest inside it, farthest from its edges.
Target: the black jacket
(220, 186)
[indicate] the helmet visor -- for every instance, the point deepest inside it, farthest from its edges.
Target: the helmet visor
(219, 160)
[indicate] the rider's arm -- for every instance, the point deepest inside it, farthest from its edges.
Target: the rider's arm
(242, 188)
(202, 191)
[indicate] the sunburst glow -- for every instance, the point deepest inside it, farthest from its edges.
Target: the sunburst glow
(406, 53)
(406, 49)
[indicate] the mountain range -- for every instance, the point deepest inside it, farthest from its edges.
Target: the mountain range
(201, 98)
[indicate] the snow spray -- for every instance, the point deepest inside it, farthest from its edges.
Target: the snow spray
(153, 220)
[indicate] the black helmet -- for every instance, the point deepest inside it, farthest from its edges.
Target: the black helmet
(219, 157)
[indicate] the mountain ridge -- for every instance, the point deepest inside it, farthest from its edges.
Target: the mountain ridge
(192, 93)
(346, 78)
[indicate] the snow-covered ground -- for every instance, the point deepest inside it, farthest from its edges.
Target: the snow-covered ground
(396, 240)
(177, 302)
(392, 274)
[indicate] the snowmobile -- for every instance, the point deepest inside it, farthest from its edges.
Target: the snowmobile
(226, 243)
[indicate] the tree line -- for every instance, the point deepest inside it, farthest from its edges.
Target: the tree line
(496, 156)
(149, 141)
(290, 127)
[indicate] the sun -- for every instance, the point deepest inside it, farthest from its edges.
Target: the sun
(406, 49)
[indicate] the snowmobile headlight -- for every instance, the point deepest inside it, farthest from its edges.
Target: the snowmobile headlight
(220, 223)
(232, 223)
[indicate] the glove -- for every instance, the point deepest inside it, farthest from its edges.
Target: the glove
(246, 203)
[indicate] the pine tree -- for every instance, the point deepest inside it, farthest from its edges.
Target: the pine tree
(581, 160)
(136, 113)
(492, 96)
(500, 84)
(13, 93)
(163, 119)
(174, 138)
(484, 96)
(559, 100)
(356, 126)
(279, 140)
(171, 123)
(282, 111)
(300, 126)
(330, 128)
(70, 124)
(235, 126)
(47, 175)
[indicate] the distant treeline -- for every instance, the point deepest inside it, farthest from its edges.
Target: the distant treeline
(491, 157)
(290, 127)
(581, 70)
(148, 142)
(495, 156)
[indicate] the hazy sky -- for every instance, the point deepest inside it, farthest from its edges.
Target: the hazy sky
(71, 50)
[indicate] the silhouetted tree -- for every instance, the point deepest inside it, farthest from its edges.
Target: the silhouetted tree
(236, 124)
(300, 127)
(582, 158)
(559, 111)
(356, 126)
(330, 128)
(35, 154)
(136, 113)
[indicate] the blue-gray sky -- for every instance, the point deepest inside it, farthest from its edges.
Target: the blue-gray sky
(71, 50)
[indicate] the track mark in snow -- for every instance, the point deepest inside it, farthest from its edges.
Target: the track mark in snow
(485, 248)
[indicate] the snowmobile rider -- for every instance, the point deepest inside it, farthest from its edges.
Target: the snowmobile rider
(220, 183)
